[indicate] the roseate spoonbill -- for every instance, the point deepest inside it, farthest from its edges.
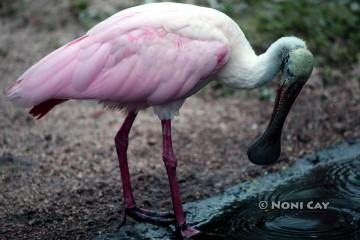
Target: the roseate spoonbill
(157, 55)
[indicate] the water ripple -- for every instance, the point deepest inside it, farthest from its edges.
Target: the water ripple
(338, 184)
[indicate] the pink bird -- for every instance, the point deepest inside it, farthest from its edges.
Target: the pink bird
(157, 55)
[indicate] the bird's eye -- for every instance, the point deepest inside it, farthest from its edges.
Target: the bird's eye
(289, 73)
(286, 59)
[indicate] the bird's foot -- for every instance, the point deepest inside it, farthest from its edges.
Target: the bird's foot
(157, 218)
(186, 231)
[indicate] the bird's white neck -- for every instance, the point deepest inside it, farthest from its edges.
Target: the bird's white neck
(247, 70)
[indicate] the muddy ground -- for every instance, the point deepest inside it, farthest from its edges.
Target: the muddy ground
(59, 176)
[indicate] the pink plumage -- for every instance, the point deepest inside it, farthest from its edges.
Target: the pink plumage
(125, 61)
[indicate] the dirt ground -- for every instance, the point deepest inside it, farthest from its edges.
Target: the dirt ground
(59, 176)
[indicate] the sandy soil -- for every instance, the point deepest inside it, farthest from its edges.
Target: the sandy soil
(59, 177)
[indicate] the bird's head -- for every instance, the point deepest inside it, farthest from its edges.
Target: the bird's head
(297, 65)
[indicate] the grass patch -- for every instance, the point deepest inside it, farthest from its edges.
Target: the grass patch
(87, 17)
(11, 8)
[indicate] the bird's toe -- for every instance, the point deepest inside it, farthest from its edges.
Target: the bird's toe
(143, 215)
(186, 231)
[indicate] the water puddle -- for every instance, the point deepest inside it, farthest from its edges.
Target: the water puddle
(316, 198)
(322, 204)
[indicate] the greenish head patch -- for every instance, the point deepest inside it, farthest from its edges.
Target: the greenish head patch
(300, 65)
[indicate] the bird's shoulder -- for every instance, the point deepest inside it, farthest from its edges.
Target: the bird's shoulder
(189, 21)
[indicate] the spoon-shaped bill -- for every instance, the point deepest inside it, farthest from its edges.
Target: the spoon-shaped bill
(267, 148)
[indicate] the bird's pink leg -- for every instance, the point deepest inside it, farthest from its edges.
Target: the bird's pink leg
(170, 164)
(121, 142)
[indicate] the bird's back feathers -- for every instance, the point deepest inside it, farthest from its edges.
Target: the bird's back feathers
(134, 58)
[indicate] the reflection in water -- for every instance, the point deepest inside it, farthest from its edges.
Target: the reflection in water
(338, 184)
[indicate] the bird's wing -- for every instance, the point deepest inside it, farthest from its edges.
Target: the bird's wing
(127, 59)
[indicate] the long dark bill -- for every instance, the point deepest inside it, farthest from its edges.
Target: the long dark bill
(267, 148)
